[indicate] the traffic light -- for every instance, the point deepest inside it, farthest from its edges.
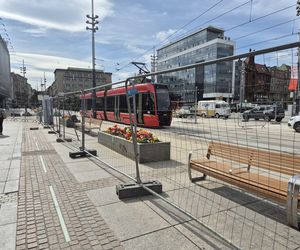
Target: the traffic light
(298, 7)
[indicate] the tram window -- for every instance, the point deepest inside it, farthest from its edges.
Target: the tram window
(100, 103)
(110, 103)
(148, 104)
(87, 103)
(123, 104)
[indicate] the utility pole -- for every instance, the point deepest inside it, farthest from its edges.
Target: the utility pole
(298, 67)
(242, 85)
(154, 65)
(92, 20)
(23, 72)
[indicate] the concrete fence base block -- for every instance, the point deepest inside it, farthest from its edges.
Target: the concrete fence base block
(147, 152)
(131, 190)
(51, 132)
(35, 128)
(81, 154)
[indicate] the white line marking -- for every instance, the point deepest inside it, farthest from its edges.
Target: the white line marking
(37, 146)
(43, 164)
(60, 216)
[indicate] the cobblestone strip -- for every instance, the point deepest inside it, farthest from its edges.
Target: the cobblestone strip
(38, 226)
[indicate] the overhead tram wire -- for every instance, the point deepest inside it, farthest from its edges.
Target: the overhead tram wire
(261, 17)
(8, 40)
(264, 29)
(189, 31)
(269, 40)
(213, 19)
(167, 38)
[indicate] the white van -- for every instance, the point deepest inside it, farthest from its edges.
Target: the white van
(214, 108)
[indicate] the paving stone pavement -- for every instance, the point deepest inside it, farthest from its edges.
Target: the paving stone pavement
(38, 224)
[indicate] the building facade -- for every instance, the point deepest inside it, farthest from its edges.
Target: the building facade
(212, 81)
(22, 91)
(266, 84)
(5, 82)
(279, 88)
(74, 79)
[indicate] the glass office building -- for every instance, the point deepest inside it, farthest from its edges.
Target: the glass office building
(212, 81)
(5, 83)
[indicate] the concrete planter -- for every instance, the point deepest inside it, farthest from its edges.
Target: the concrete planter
(148, 152)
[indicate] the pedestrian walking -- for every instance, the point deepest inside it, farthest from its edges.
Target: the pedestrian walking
(2, 117)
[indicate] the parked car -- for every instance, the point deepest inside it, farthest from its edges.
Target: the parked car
(184, 111)
(294, 123)
(274, 112)
(255, 113)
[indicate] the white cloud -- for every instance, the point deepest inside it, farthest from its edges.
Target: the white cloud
(162, 35)
(37, 64)
(55, 14)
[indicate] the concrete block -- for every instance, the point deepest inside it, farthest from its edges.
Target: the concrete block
(125, 191)
(148, 152)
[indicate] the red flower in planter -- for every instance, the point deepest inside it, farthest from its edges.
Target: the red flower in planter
(143, 136)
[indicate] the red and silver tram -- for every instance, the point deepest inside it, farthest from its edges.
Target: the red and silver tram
(153, 105)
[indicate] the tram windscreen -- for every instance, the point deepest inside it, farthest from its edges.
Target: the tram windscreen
(163, 99)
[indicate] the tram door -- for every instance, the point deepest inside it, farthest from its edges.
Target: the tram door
(139, 108)
(117, 108)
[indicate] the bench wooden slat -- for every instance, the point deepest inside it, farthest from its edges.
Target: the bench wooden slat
(271, 177)
(266, 181)
(254, 183)
(258, 158)
(234, 149)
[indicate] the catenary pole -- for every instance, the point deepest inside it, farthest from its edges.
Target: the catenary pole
(92, 20)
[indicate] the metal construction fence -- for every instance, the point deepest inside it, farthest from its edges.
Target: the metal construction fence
(237, 176)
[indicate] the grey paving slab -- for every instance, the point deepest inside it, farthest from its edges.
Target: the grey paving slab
(13, 174)
(131, 219)
(166, 211)
(3, 174)
(166, 239)
(202, 237)
(15, 164)
(199, 201)
(91, 175)
(4, 164)
(103, 196)
(8, 237)
(247, 234)
(81, 166)
(8, 213)
(11, 186)
(2, 185)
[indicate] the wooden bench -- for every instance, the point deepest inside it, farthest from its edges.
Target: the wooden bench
(269, 174)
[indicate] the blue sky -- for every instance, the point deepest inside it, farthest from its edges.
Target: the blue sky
(51, 34)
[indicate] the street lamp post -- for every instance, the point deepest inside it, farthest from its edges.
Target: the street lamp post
(23, 72)
(92, 20)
